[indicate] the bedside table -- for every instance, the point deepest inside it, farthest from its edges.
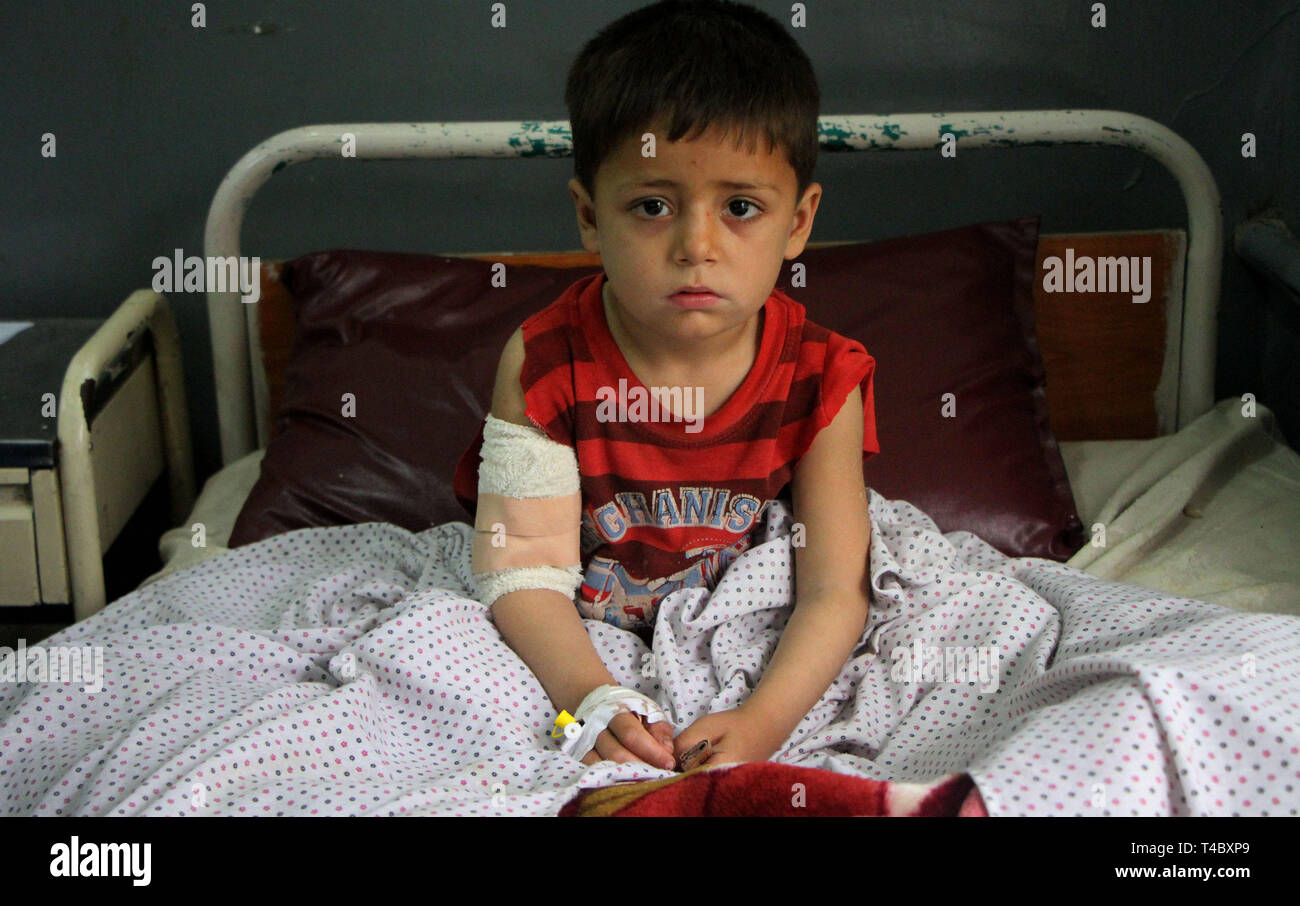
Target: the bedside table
(92, 417)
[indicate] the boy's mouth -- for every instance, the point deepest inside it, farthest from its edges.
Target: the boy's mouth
(694, 297)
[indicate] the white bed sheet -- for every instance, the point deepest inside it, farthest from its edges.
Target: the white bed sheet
(1210, 513)
(345, 671)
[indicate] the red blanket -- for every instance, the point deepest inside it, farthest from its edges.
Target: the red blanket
(775, 790)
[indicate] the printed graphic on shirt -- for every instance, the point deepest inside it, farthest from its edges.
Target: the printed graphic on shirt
(697, 507)
(612, 596)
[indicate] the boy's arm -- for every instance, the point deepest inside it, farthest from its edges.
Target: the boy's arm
(831, 575)
(545, 630)
(541, 625)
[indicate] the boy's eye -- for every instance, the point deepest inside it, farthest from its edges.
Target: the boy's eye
(649, 201)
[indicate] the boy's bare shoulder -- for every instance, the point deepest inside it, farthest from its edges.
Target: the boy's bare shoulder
(508, 394)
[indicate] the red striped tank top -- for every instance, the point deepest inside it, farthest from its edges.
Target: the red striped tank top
(665, 508)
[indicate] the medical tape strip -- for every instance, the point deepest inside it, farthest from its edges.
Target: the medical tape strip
(600, 706)
(529, 529)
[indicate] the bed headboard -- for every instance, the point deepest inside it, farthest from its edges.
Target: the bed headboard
(1173, 356)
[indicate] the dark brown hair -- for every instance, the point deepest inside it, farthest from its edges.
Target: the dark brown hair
(694, 64)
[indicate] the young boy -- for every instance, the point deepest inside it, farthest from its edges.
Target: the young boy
(695, 135)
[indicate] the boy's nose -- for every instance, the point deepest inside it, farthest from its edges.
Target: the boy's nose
(696, 235)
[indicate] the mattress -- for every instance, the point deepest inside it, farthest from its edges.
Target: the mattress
(1210, 513)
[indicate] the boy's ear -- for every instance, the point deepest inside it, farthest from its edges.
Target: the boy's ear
(586, 212)
(801, 223)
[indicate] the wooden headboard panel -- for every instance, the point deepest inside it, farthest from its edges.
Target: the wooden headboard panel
(1111, 363)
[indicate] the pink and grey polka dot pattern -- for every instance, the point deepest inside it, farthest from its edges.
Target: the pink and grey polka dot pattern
(346, 671)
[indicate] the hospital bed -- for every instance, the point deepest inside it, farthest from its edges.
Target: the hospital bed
(1151, 485)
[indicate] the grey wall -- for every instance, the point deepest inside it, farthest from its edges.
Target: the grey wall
(150, 113)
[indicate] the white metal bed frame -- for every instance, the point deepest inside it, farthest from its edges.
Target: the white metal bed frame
(242, 397)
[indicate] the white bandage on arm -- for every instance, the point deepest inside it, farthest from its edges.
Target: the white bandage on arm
(529, 513)
(599, 708)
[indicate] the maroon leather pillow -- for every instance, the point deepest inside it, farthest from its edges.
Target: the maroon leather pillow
(415, 339)
(953, 313)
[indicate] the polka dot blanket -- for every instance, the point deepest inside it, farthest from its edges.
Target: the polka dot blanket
(348, 671)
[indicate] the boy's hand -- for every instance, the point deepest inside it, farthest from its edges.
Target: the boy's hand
(628, 738)
(734, 736)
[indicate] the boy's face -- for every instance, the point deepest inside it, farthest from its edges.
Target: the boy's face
(655, 239)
